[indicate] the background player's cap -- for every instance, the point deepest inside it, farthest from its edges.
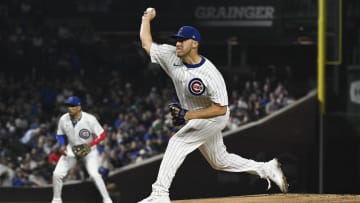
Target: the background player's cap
(73, 101)
(187, 32)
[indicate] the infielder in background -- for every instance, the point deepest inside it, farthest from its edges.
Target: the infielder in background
(203, 109)
(78, 134)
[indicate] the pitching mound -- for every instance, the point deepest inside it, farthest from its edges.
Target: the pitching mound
(280, 198)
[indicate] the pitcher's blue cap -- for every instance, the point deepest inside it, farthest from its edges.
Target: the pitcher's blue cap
(187, 32)
(73, 101)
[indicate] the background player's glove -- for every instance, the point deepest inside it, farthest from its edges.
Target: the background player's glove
(177, 114)
(81, 150)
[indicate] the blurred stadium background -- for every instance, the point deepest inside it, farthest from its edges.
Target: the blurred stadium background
(267, 53)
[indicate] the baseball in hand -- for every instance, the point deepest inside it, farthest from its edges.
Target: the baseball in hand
(151, 12)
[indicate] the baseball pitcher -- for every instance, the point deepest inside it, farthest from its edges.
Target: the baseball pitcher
(202, 111)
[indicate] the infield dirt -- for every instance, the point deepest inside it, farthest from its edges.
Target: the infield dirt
(280, 198)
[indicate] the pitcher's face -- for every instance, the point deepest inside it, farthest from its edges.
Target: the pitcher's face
(185, 46)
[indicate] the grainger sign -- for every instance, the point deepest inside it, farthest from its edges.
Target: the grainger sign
(235, 15)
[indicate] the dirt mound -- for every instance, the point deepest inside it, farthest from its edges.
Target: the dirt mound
(280, 198)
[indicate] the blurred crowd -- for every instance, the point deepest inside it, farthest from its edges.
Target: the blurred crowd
(48, 61)
(138, 126)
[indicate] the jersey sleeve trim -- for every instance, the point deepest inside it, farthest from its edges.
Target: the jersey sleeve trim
(98, 139)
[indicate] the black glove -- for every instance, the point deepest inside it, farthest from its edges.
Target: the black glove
(177, 114)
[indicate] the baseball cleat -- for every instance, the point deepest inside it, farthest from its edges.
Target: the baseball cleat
(56, 200)
(275, 174)
(107, 200)
(156, 199)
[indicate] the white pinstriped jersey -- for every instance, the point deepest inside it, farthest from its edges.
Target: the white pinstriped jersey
(196, 85)
(84, 131)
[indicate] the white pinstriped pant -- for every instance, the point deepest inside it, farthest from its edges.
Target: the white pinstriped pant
(206, 135)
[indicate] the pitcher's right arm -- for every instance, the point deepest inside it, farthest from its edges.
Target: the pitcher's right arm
(145, 29)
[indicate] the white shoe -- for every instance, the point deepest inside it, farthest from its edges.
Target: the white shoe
(275, 174)
(156, 199)
(56, 200)
(107, 200)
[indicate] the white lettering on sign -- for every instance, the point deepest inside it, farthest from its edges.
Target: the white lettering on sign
(235, 15)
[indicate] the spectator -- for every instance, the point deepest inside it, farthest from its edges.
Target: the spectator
(271, 106)
(20, 179)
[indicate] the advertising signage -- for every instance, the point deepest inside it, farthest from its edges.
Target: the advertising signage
(247, 20)
(235, 15)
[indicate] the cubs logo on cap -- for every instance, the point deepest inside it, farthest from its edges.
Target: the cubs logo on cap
(187, 32)
(196, 86)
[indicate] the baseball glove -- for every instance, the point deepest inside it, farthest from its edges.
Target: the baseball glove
(81, 150)
(177, 114)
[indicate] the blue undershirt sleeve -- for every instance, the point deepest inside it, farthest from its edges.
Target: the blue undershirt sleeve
(61, 139)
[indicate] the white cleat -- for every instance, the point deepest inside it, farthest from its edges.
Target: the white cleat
(107, 201)
(275, 174)
(55, 200)
(156, 199)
